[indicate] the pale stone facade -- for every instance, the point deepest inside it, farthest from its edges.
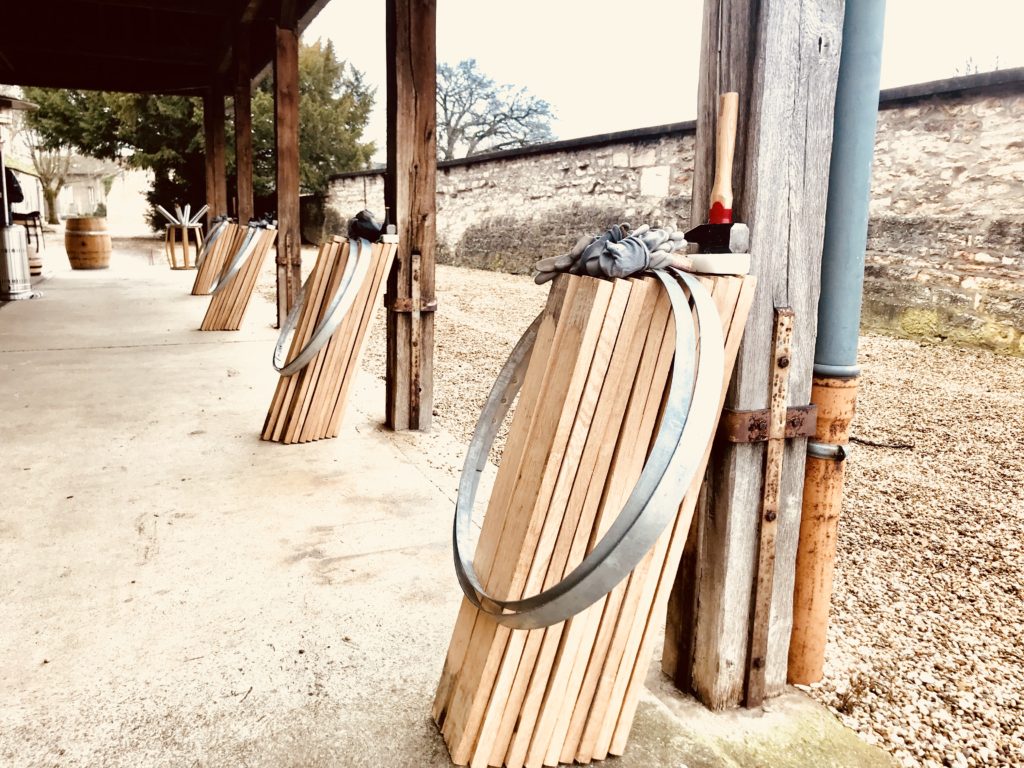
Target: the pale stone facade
(946, 241)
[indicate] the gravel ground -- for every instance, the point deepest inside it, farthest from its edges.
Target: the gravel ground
(924, 657)
(924, 650)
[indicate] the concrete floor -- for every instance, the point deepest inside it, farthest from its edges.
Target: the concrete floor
(175, 592)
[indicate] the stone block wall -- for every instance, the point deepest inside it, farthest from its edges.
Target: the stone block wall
(505, 211)
(945, 254)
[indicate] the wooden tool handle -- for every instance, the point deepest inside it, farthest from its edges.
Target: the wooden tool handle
(721, 192)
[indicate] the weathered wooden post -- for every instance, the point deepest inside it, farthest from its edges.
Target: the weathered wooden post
(409, 194)
(286, 137)
(243, 124)
(782, 56)
(213, 135)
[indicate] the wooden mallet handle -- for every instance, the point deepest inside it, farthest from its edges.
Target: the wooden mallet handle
(721, 192)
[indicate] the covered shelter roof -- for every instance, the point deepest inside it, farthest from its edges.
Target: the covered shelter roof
(142, 46)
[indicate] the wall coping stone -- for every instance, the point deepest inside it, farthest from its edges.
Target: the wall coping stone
(1011, 80)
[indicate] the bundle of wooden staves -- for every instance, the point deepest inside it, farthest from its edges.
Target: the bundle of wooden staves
(221, 241)
(327, 328)
(240, 268)
(589, 409)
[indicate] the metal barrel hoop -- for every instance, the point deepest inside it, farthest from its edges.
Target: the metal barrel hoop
(244, 250)
(651, 506)
(208, 241)
(352, 279)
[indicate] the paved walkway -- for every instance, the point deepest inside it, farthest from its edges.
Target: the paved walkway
(175, 592)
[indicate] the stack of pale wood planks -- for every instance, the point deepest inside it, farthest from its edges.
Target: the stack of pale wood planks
(308, 405)
(587, 414)
(231, 294)
(219, 245)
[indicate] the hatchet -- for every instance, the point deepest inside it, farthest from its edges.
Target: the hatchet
(728, 241)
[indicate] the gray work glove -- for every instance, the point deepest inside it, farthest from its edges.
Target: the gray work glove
(616, 253)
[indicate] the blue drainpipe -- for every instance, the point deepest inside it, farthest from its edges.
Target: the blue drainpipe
(849, 190)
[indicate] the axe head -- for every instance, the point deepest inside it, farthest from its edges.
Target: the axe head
(720, 238)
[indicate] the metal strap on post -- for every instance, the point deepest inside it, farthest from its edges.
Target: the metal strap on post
(211, 237)
(358, 264)
(654, 501)
(244, 250)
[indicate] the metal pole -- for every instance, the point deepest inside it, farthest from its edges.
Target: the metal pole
(835, 355)
(849, 189)
(3, 181)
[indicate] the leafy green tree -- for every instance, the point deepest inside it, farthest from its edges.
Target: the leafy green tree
(164, 134)
(334, 107)
(476, 115)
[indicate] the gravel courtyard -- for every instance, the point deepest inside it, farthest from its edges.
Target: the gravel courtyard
(924, 656)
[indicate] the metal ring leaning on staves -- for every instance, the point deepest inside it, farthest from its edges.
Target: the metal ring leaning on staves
(244, 250)
(654, 501)
(355, 272)
(211, 236)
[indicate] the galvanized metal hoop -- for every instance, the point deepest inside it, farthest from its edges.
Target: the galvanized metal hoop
(356, 267)
(244, 251)
(651, 506)
(211, 237)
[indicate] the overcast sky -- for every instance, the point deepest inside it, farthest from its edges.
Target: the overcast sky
(608, 65)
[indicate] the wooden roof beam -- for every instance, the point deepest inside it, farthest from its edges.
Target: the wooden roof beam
(187, 7)
(29, 50)
(116, 78)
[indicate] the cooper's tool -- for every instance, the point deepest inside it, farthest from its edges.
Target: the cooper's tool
(729, 241)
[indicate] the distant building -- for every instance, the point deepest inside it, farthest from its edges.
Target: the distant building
(102, 187)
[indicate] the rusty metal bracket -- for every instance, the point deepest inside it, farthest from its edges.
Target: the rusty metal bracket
(771, 499)
(406, 305)
(752, 426)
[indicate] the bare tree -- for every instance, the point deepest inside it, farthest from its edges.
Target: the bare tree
(475, 115)
(52, 167)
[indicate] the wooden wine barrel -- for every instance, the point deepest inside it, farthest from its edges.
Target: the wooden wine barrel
(35, 264)
(87, 242)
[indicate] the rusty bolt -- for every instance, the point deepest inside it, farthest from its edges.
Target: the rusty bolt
(770, 515)
(784, 361)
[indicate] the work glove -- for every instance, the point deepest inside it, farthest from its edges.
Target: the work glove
(617, 253)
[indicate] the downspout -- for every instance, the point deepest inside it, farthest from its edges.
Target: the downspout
(835, 355)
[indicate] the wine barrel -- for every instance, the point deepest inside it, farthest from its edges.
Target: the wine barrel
(35, 264)
(87, 242)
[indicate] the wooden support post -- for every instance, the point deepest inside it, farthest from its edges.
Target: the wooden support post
(409, 193)
(213, 134)
(243, 125)
(782, 56)
(286, 133)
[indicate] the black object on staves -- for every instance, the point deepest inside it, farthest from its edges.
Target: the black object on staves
(364, 226)
(720, 238)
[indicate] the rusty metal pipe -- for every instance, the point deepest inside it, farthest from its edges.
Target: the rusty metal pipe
(819, 522)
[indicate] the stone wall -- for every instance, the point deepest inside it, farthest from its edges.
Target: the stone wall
(945, 256)
(504, 211)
